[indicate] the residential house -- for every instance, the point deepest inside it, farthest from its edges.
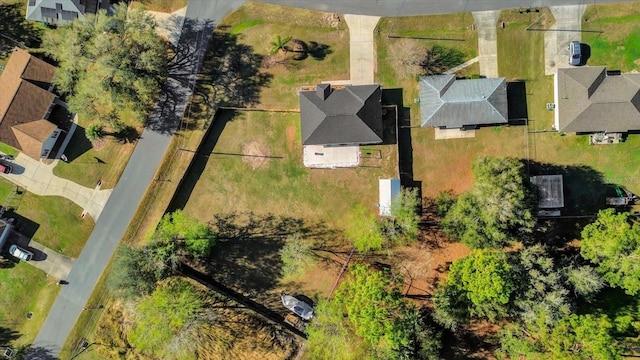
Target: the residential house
(591, 99)
(449, 103)
(60, 12)
(334, 117)
(26, 101)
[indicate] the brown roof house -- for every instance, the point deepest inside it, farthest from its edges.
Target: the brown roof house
(335, 122)
(591, 99)
(26, 103)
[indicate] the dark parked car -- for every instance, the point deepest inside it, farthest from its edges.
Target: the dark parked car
(575, 54)
(20, 253)
(5, 168)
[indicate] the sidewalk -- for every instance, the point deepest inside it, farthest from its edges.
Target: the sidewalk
(38, 178)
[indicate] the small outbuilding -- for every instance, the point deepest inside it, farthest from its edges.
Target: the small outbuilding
(550, 194)
(389, 190)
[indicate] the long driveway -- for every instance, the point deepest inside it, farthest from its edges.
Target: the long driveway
(150, 150)
(202, 15)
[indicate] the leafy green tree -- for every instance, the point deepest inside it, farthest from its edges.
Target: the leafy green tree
(94, 132)
(109, 65)
(133, 274)
(612, 242)
(371, 299)
(450, 306)
(484, 280)
(172, 308)
(179, 229)
(541, 288)
(444, 202)
(364, 229)
(585, 280)
(404, 216)
(328, 335)
(497, 210)
(416, 337)
(279, 43)
(572, 337)
(296, 255)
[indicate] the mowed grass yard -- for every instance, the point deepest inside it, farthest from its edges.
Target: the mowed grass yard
(614, 42)
(24, 289)
(281, 185)
(257, 24)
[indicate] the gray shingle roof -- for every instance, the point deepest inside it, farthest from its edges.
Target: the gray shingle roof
(447, 102)
(350, 116)
(58, 12)
(587, 100)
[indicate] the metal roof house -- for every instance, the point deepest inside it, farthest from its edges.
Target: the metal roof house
(549, 192)
(446, 102)
(60, 12)
(590, 99)
(349, 116)
(389, 190)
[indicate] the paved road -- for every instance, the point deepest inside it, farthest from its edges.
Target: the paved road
(202, 15)
(422, 7)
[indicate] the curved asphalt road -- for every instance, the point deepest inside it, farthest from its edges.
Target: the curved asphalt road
(122, 205)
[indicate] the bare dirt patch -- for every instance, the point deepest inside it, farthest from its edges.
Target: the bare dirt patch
(291, 137)
(98, 145)
(255, 153)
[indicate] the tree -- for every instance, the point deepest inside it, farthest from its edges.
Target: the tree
(94, 132)
(172, 308)
(404, 216)
(364, 229)
(483, 281)
(328, 335)
(109, 64)
(296, 256)
(612, 242)
(573, 337)
(133, 274)
(497, 210)
(440, 59)
(444, 202)
(179, 229)
(541, 288)
(279, 43)
(585, 280)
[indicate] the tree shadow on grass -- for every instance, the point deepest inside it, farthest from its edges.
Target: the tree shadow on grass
(16, 30)
(247, 254)
(584, 187)
(8, 335)
(232, 71)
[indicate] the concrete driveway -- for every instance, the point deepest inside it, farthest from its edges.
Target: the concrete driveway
(567, 28)
(362, 58)
(54, 264)
(486, 23)
(38, 178)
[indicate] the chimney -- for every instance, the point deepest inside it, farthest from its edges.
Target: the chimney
(323, 91)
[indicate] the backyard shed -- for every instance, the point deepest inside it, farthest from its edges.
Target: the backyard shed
(389, 190)
(549, 191)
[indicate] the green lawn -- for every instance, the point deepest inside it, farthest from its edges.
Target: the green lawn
(281, 185)
(614, 42)
(24, 289)
(258, 24)
(52, 221)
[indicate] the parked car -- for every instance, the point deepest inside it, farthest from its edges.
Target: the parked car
(20, 253)
(5, 168)
(575, 54)
(299, 307)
